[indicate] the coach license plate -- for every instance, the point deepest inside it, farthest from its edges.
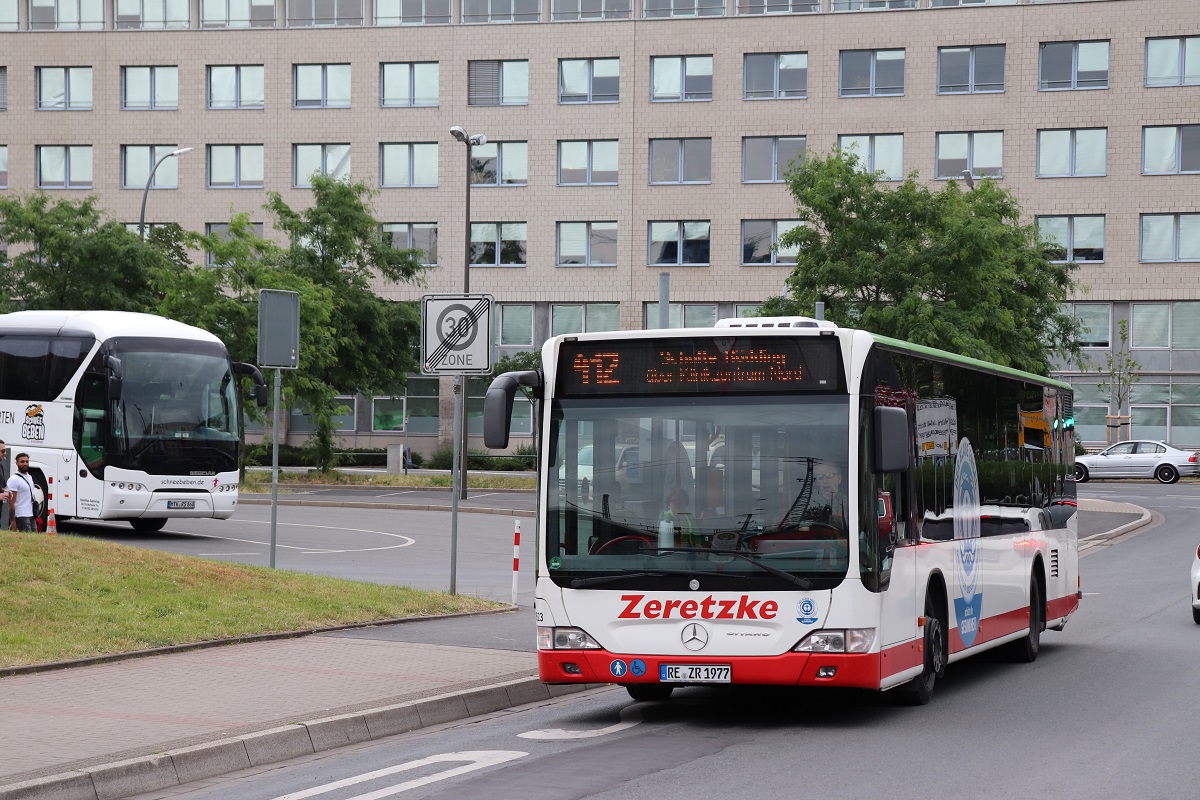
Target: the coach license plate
(181, 504)
(695, 673)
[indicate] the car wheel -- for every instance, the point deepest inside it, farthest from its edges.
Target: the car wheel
(649, 692)
(1081, 473)
(1166, 474)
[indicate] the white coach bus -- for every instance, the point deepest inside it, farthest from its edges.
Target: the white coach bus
(783, 501)
(124, 416)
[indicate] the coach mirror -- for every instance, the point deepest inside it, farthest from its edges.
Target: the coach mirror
(892, 439)
(115, 378)
(498, 405)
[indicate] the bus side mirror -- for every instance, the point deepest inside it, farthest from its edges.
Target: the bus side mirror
(260, 385)
(260, 396)
(498, 405)
(892, 439)
(116, 375)
(114, 388)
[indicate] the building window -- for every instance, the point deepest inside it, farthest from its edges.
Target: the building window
(1185, 325)
(1170, 237)
(1173, 62)
(137, 160)
(64, 88)
(587, 244)
(589, 80)
(66, 15)
(3, 166)
(674, 78)
(413, 236)
(322, 86)
(746, 310)
(221, 230)
(877, 153)
(235, 166)
(1151, 326)
(683, 8)
(149, 88)
(406, 165)
(498, 83)
(412, 12)
(980, 152)
(299, 420)
(680, 315)
(871, 73)
(681, 160)
(588, 163)
(408, 84)
(1074, 65)
(947, 3)
(236, 86)
(760, 237)
(500, 164)
(421, 405)
(237, 13)
(498, 244)
(332, 160)
(500, 11)
(8, 18)
(1170, 149)
(152, 13)
(64, 166)
(680, 243)
(323, 13)
(971, 70)
(585, 318)
(572, 10)
(514, 325)
(1096, 319)
(1078, 239)
(1073, 152)
(871, 5)
(774, 76)
(765, 159)
(777, 7)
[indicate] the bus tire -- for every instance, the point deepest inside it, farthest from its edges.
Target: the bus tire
(919, 690)
(1025, 650)
(145, 525)
(649, 692)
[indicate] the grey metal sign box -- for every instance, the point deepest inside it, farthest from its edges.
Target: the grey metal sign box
(278, 329)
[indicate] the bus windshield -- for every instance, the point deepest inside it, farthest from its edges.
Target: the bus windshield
(177, 414)
(729, 489)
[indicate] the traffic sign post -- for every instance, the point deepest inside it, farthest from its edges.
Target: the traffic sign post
(278, 347)
(456, 340)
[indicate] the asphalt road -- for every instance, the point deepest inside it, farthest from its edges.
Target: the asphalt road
(1107, 710)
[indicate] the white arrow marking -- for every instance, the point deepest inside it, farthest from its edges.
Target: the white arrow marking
(477, 759)
(630, 716)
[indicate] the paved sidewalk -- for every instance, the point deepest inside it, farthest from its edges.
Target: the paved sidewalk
(118, 729)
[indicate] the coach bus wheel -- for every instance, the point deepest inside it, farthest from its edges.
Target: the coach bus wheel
(1166, 474)
(1081, 473)
(1025, 650)
(147, 525)
(649, 692)
(920, 689)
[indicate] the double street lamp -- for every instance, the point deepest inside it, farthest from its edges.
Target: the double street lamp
(470, 141)
(150, 180)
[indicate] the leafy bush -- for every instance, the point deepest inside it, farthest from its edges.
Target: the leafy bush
(443, 458)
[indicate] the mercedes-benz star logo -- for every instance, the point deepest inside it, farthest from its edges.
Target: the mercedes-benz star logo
(694, 636)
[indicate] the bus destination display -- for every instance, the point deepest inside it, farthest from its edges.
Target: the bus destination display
(700, 365)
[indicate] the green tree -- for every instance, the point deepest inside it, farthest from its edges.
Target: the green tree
(336, 244)
(948, 269)
(71, 257)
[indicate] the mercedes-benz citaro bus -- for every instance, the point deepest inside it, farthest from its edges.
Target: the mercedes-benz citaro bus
(813, 505)
(124, 416)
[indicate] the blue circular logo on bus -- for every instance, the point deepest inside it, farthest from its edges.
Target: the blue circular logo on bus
(618, 668)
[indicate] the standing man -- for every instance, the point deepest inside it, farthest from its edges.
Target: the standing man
(4, 496)
(20, 490)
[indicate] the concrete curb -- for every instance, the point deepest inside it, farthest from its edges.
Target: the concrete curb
(504, 512)
(175, 767)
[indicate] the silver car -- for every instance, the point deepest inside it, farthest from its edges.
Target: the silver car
(1140, 458)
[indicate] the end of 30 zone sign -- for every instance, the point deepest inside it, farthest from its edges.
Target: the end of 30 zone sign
(456, 334)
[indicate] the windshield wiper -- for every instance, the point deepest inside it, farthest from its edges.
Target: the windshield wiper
(803, 583)
(579, 583)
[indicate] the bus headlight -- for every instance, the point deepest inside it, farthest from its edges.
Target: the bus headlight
(565, 639)
(850, 640)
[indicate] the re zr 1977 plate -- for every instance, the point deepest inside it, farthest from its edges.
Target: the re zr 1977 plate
(181, 504)
(695, 673)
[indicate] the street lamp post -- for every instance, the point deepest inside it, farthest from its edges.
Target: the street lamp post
(470, 141)
(149, 180)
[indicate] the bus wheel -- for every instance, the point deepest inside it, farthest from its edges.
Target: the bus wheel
(1025, 650)
(649, 692)
(919, 690)
(147, 525)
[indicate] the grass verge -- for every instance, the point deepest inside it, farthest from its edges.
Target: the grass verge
(66, 597)
(260, 480)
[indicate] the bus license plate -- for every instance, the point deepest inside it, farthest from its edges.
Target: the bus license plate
(181, 504)
(694, 673)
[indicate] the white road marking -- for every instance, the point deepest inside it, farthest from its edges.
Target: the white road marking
(485, 494)
(394, 494)
(408, 540)
(477, 759)
(229, 554)
(630, 716)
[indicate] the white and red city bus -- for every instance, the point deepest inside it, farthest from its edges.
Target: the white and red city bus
(783, 501)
